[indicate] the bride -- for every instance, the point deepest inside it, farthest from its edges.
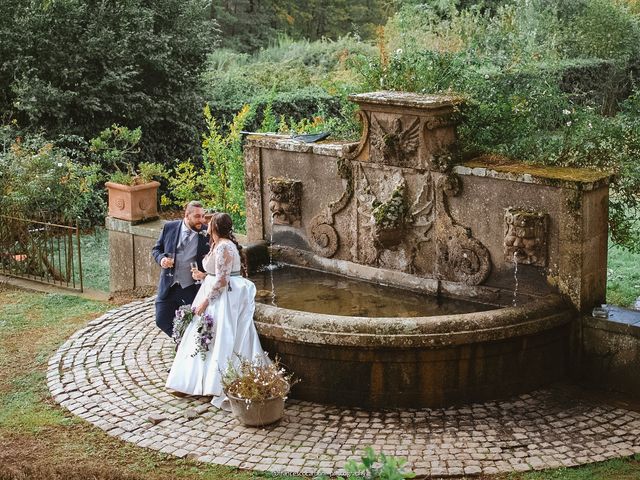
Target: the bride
(227, 298)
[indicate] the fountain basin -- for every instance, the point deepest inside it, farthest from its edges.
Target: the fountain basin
(419, 361)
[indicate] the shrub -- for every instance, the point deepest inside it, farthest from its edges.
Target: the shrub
(116, 149)
(76, 67)
(374, 466)
(256, 379)
(220, 184)
(299, 79)
(39, 180)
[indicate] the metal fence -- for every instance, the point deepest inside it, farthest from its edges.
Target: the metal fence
(41, 251)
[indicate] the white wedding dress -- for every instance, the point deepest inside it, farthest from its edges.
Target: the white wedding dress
(231, 304)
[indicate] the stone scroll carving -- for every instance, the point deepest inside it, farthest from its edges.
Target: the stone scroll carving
(525, 237)
(284, 200)
(352, 150)
(323, 236)
(460, 257)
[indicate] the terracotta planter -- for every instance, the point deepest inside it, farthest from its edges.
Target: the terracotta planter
(135, 204)
(257, 413)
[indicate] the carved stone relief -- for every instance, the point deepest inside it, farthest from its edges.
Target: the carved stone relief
(284, 200)
(441, 150)
(525, 237)
(323, 236)
(394, 216)
(394, 202)
(396, 141)
(460, 257)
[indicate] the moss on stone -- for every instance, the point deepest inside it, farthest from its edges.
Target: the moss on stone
(504, 164)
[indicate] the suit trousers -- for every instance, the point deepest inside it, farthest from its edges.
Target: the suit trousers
(166, 308)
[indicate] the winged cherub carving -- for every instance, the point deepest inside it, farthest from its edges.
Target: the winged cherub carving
(395, 143)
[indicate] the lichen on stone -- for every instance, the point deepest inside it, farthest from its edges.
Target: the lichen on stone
(390, 214)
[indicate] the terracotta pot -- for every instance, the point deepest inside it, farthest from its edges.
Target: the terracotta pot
(257, 413)
(135, 204)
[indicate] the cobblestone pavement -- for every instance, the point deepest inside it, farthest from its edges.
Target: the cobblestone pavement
(112, 373)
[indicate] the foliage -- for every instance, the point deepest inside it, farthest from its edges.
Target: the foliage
(184, 184)
(181, 320)
(76, 67)
(248, 26)
(298, 79)
(257, 379)
(205, 335)
(224, 167)
(220, 184)
(375, 467)
(116, 148)
(390, 214)
(623, 277)
(39, 180)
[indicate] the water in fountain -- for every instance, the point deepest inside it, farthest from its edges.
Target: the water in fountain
(271, 267)
(515, 278)
(326, 293)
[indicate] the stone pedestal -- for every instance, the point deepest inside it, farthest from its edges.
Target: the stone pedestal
(133, 269)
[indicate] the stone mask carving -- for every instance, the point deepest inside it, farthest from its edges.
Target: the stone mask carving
(525, 237)
(284, 201)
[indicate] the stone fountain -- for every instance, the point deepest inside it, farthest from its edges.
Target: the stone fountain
(398, 209)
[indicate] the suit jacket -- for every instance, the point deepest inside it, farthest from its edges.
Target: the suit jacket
(167, 243)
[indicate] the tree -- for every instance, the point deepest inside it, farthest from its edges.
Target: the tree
(79, 66)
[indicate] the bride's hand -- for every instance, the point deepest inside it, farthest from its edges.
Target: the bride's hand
(202, 307)
(197, 274)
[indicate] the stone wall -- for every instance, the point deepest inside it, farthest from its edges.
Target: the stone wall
(133, 269)
(609, 355)
(398, 202)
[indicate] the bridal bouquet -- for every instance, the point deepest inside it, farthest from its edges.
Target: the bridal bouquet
(206, 334)
(182, 318)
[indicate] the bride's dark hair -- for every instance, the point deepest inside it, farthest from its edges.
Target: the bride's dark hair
(222, 224)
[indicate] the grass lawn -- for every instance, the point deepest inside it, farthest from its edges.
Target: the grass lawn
(39, 439)
(95, 259)
(623, 277)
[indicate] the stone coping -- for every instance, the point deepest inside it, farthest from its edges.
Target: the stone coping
(497, 167)
(146, 229)
(406, 99)
(325, 147)
(622, 328)
(434, 331)
(112, 372)
(488, 166)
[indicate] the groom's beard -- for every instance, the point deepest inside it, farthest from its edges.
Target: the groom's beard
(194, 226)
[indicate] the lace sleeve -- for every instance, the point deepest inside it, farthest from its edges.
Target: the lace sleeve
(224, 264)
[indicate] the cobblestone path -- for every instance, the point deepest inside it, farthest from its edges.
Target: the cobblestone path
(112, 373)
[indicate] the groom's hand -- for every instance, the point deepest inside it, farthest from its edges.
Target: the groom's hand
(166, 262)
(202, 307)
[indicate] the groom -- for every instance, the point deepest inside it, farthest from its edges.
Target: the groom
(181, 242)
